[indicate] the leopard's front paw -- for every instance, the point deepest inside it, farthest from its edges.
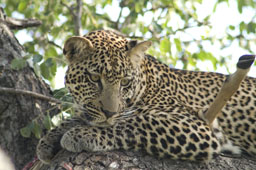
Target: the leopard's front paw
(46, 151)
(72, 141)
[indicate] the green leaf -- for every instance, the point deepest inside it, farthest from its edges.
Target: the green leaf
(231, 27)
(25, 132)
(18, 63)
(242, 26)
(251, 27)
(192, 59)
(48, 69)
(178, 44)
(22, 6)
(45, 71)
(202, 55)
(59, 93)
(67, 98)
(165, 45)
(37, 69)
(51, 52)
(37, 130)
(37, 58)
(137, 7)
(47, 122)
(49, 62)
(240, 4)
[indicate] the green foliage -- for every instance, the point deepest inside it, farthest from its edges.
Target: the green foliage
(31, 128)
(166, 23)
(142, 19)
(48, 69)
(47, 122)
(25, 131)
(18, 63)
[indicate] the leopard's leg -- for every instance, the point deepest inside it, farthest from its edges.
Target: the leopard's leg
(49, 145)
(177, 136)
(229, 87)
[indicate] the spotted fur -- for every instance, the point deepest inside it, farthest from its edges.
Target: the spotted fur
(129, 100)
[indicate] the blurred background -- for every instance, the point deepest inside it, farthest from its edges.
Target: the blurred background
(188, 34)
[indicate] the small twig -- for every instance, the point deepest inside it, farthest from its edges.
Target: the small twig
(71, 10)
(77, 16)
(106, 18)
(53, 43)
(29, 93)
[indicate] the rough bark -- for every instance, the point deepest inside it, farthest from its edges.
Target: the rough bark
(16, 111)
(121, 160)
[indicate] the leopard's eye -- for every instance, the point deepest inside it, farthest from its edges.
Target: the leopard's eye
(94, 78)
(126, 82)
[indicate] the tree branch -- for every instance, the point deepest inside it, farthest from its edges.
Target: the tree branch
(54, 44)
(77, 16)
(14, 23)
(29, 93)
(71, 10)
(125, 160)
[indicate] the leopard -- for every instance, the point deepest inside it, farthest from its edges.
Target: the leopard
(126, 99)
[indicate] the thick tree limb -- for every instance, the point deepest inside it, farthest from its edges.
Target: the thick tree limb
(121, 160)
(13, 23)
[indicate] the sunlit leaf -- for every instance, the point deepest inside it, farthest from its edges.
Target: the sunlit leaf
(165, 45)
(22, 5)
(51, 52)
(137, 7)
(178, 44)
(242, 26)
(240, 4)
(232, 27)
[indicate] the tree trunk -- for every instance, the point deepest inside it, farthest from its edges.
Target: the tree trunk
(16, 111)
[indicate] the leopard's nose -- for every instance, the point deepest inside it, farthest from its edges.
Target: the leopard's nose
(108, 113)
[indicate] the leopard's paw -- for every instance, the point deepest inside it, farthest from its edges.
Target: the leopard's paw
(46, 151)
(72, 141)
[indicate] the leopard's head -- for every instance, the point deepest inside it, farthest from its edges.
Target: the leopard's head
(105, 74)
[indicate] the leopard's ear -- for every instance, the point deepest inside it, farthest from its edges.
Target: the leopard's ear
(75, 48)
(137, 51)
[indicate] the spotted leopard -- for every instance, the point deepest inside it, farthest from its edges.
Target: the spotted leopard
(129, 100)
